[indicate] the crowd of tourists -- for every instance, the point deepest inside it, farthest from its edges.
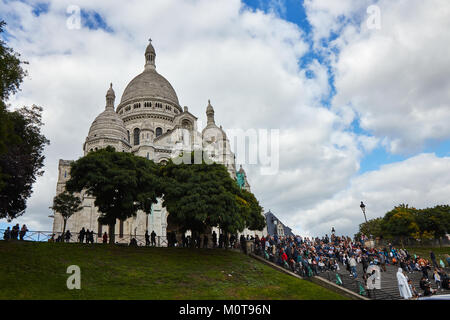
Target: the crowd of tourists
(220, 241)
(312, 256)
(16, 233)
(84, 236)
(306, 256)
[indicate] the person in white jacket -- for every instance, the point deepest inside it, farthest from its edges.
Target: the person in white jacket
(403, 286)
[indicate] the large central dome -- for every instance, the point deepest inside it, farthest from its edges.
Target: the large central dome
(149, 84)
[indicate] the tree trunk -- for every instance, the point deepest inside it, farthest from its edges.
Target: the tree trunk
(112, 231)
(64, 227)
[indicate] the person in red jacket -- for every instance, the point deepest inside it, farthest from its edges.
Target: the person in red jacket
(284, 256)
(105, 238)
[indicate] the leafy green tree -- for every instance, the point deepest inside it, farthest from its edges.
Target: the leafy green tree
(11, 76)
(254, 220)
(400, 222)
(66, 204)
(434, 221)
(121, 183)
(21, 141)
(374, 227)
(201, 196)
(11, 71)
(21, 164)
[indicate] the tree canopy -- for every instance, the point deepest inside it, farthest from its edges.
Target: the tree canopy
(21, 141)
(11, 71)
(21, 164)
(66, 204)
(199, 196)
(404, 222)
(121, 183)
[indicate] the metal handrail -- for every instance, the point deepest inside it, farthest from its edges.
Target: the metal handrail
(45, 236)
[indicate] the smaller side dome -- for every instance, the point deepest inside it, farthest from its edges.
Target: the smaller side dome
(107, 126)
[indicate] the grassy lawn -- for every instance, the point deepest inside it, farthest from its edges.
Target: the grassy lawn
(425, 253)
(32, 270)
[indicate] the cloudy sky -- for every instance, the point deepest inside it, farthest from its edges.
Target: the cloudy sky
(358, 89)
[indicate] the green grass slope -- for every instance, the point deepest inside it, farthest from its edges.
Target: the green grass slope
(425, 253)
(31, 270)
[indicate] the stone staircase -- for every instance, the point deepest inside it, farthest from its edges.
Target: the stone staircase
(389, 288)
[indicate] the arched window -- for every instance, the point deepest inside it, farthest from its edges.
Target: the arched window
(128, 133)
(158, 132)
(136, 134)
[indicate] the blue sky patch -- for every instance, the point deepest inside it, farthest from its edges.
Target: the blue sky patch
(94, 21)
(40, 8)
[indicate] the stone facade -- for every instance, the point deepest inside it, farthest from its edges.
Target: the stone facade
(148, 122)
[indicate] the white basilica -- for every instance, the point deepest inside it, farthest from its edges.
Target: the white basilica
(148, 122)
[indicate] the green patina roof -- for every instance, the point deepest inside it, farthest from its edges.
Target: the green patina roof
(240, 180)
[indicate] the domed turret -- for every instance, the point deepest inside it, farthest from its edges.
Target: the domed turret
(107, 129)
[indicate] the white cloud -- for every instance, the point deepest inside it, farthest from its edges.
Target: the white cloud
(396, 78)
(421, 181)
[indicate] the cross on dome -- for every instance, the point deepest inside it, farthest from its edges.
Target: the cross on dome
(150, 56)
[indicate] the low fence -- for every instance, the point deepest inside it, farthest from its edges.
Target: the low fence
(46, 236)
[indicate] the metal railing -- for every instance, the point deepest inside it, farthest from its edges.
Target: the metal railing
(46, 236)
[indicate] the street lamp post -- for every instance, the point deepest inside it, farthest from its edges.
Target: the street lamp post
(363, 208)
